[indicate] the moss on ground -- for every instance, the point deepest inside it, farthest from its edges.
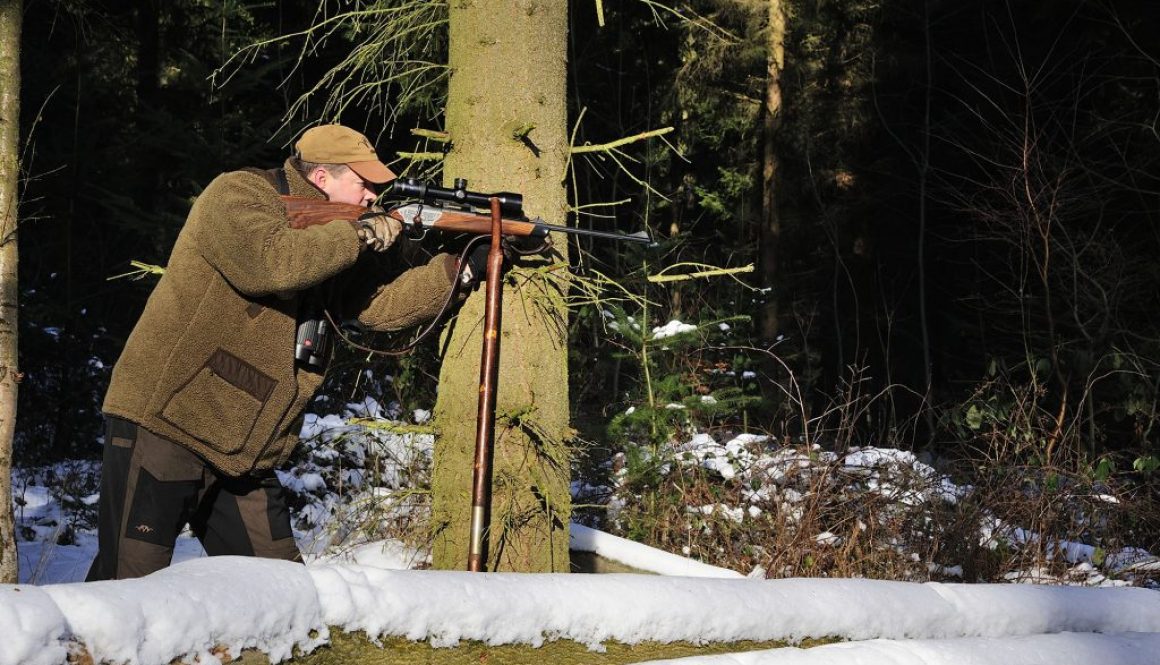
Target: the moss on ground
(346, 648)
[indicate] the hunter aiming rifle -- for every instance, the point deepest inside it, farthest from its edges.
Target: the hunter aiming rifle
(458, 210)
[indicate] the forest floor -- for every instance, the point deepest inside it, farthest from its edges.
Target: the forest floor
(371, 596)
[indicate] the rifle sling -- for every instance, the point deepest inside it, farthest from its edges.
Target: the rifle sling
(431, 327)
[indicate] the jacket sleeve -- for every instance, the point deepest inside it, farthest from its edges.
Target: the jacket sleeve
(239, 225)
(413, 297)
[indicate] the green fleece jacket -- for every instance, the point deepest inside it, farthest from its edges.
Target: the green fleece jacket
(210, 363)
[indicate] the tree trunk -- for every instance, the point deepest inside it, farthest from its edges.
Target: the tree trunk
(770, 216)
(10, 20)
(508, 60)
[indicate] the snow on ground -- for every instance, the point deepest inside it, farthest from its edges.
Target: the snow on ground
(1058, 649)
(641, 557)
(201, 605)
(790, 482)
(45, 562)
(194, 607)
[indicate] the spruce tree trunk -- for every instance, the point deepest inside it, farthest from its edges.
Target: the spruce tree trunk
(10, 19)
(508, 61)
(770, 196)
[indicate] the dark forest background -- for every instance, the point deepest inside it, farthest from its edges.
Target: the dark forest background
(966, 191)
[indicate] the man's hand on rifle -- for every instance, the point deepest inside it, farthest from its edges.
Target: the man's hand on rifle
(379, 232)
(475, 265)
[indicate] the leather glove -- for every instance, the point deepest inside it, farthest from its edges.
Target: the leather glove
(475, 266)
(379, 232)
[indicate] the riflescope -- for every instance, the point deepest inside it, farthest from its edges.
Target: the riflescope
(511, 205)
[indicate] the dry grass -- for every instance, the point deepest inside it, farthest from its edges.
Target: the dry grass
(1026, 502)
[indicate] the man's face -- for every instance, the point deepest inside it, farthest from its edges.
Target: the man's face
(346, 187)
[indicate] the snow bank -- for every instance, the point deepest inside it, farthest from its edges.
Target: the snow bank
(187, 610)
(33, 627)
(641, 557)
(194, 607)
(1061, 649)
(446, 607)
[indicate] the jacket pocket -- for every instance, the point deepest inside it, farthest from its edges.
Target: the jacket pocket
(221, 403)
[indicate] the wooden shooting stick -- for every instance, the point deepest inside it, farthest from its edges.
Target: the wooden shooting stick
(485, 420)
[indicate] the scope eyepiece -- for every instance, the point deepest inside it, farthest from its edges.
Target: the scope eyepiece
(511, 204)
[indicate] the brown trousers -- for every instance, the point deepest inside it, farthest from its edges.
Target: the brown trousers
(152, 487)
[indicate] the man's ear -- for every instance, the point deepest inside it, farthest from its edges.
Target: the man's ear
(319, 177)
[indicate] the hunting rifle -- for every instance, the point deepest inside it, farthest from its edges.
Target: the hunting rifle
(426, 206)
(460, 210)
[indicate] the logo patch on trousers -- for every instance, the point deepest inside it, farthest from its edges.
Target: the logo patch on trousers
(144, 528)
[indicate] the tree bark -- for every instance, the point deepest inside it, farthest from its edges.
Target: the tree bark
(11, 14)
(770, 216)
(508, 60)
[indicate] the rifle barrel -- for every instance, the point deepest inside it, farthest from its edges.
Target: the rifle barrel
(635, 237)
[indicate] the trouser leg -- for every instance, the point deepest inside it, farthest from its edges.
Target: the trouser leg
(149, 487)
(248, 517)
(119, 439)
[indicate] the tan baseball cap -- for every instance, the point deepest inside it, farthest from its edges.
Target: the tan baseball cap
(336, 144)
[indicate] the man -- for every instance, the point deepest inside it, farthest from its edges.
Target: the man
(207, 397)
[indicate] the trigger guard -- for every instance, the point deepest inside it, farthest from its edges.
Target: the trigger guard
(516, 249)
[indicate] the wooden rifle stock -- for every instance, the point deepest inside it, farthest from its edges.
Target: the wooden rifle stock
(303, 212)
